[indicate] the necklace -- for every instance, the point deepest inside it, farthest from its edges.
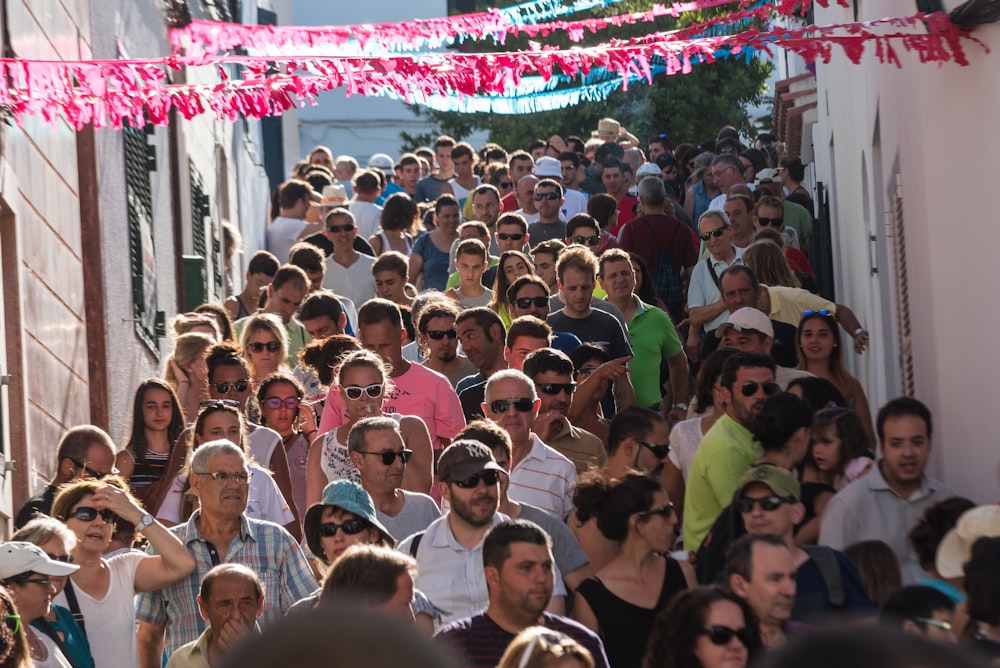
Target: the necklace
(35, 646)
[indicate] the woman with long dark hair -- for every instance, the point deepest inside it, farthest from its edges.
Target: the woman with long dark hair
(157, 423)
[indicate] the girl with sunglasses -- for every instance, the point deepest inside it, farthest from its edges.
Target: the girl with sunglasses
(363, 382)
(186, 371)
(704, 627)
(157, 423)
(621, 600)
(265, 345)
(512, 266)
(821, 353)
(283, 409)
(104, 589)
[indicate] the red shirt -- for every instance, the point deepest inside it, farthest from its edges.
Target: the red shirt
(626, 212)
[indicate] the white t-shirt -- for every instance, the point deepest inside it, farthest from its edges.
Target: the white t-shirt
(56, 659)
(282, 235)
(264, 501)
(355, 282)
(366, 216)
(110, 620)
(261, 443)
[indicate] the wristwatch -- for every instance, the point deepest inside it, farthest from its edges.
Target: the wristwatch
(680, 405)
(859, 330)
(144, 522)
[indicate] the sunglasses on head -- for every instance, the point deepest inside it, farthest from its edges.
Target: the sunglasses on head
(765, 222)
(258, 347)
(541, 196)
(438, 334)
(334, 229)
(89, 514)
(522, 405)
(721, 635)
(664, 511)
(767, 503)
(750, 388)
(350, 528)
(374, 391)
(219, 403)
(556, 388)
(389, 456)
(717, 232)
(590, 241)
(225, 386)
(526, 302)
(822, 312)
(488, 477)
(513, 236)
(660, 451)
(275, 403)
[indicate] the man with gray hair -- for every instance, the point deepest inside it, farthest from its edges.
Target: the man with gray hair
(220, 532)
(540, 475)
(348, 272)
(727, 170)
(376, 449)
(706, 307)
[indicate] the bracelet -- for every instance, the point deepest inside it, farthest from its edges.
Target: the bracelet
(859, 330)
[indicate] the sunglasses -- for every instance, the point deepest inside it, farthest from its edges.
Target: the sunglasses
(334, 229)
(13, 622)
(556, 388)
(258, 347)
(275, 403)
(488, 477)
(354, 392)
(542, 196)
(350, 528)
(96, 475)
(89, 514)
(660, 451)
(219, 403)
(506, 184)
(750, 388)
(717, 232)
(525, 302)
(822, 312)
(513, 236)
(522, 405)
(64, 558)
(225, 386)
(590, 241)
(240, 477)
(438, 334)
(663, 511)
(721, 635)
(764, 222)
(767, 503)
(388, 457)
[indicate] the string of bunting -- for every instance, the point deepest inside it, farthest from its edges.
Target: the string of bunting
(110, 93)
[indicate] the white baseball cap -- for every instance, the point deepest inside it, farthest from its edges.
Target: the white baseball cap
(747, 318)
(17, 557)
(548, 167)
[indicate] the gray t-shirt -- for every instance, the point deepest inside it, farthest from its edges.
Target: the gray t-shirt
(566, 549)
(556, 304)
(418, 511)
(540, 232)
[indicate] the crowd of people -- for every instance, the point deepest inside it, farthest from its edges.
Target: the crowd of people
(575, 405)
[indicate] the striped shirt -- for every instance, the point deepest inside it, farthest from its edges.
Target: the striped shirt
(264, 547)
(545, 479)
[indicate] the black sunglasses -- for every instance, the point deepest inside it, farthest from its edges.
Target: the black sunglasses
(389, 456)
(660, 451)
(767, 503)
(764, 222)
(488, 477)
(513, 236)
(506, 184)
(590, 241)
(96, 475)
(89, 514)
(522, 405)
(354, 392)
(721, 635)
(540, 196)
(239, 386)
(525, 302)
(258, 347)
(717, 232)
(664, 511)
(438, 334)
(750, 388)
(555, 388)
(334, 229)
(350, 527)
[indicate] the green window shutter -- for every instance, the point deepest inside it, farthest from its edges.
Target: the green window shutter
(138, 185)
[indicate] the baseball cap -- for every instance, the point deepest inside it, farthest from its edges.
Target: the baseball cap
(780, 480)
(17, 557)
(648, 169)
(767, 175)
(381, 162)
(956, 547)
(349, 496)
(465, 458)
(334, 195)
(748, 318)
(548, 167)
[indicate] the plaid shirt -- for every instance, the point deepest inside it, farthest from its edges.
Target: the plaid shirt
(264, 547)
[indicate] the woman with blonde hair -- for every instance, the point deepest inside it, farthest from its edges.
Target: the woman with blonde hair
(768, 263)
(187, 371)
(541, 647)
(265, 345)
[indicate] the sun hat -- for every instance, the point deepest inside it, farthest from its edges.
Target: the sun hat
(956, 546)
(346, 495)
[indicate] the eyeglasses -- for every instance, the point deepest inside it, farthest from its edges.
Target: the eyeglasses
(767, 503)
(936, 623)
(334, 229)
(65, 558)
(13, 622)
(822, 312)
(663, 511)
(522, 405)
(225, 477)
(258, 347)
(438, 334)
(389, 456)
(354, 392)
(717, 232)
(275, 403)
(550, 196)
(97, 475)
(590, 241)
(660, 451)
(350, 527)
(506, 184)
(488, 477)
(721, 635)
(526, 302)
(764, 222)
(555, 388)
(513, 236)
(750, 388)
(586, 371)
(44, 581)
(219, 403)
(89, 514)
(721, 171)
(225, 386)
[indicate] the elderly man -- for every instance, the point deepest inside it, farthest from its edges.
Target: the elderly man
(761, 570)
(706, 308)
(220, 532)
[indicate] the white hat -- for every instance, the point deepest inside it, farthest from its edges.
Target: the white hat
(956, 547)
(334, 195)
(381, 162)
(18, 557)
(747, 318)
(648, 169)
(767, 175)
(546, 167)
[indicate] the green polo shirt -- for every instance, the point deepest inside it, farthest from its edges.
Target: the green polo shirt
(654, 338)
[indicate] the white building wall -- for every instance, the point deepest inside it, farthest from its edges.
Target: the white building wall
(935, 127)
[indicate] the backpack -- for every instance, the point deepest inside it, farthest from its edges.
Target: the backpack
(666, 280)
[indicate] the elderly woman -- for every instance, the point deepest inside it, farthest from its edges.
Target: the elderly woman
(105, 588)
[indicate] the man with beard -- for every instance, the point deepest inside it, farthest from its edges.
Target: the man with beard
(518, 564)
(449, 553)
(728, 449)
(437, 336)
